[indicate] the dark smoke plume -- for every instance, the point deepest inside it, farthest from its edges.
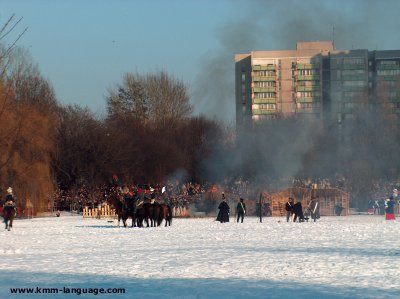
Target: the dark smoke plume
(286, 148)
(278, 25)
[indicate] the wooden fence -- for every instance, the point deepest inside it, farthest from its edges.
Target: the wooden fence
(103, 211)
(328, 199)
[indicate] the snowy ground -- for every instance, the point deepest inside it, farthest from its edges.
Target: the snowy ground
(336, 257)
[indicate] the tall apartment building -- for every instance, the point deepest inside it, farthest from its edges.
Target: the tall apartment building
(315, 81)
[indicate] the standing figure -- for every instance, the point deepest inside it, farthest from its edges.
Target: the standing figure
(298, 212)
(381, 206)
(313, 207)
(9, 209)
(289, 208)
(376, 207)
(370, 210)
(338, 209)
(390, 209)
(223, 214)
(241, 210)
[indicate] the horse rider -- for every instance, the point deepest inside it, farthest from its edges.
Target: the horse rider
(9, 200)
(128, 199)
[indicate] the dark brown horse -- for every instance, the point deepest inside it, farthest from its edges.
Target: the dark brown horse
(116, 201)
(8, 215)
(165, 214)
(145, 213)
(150, 213)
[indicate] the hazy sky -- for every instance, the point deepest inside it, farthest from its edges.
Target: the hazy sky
(83, 47)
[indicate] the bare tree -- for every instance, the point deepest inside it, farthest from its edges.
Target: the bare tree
(158, 98)
(168, 98)
(6, 49)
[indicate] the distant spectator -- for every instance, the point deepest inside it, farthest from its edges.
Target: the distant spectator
(223, 214)
(241, 210)
(289, 208)
(338, 209)
(390, 209)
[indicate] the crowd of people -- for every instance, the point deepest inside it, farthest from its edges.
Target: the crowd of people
(180, 194)
(192, 196)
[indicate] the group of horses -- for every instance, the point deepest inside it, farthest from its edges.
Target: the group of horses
(151, 213)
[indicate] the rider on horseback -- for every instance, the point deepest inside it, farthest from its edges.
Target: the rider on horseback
(127, 198)
(9, 200)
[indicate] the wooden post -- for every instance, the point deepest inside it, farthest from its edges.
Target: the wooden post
(261, 207)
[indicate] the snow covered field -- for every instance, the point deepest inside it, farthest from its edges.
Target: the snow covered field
(336, 257)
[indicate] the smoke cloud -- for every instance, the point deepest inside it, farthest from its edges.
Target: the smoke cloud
(287, 148)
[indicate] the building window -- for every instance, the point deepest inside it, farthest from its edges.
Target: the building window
(264, 73)
(391, 94)
(388, 72)
(355, 60)
(267, 106)
(387, 62)
(308, 83)
(354, 83)
(243, 99)
(348, 105)
(352, 94)
(244, 109)
(243, 77)
(265, 95)
(265, 84)
(308, 72)
(308, 105)
(308, 94)
(243, 88)
(353, 72)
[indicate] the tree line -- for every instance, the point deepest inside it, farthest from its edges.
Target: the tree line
(148, 135)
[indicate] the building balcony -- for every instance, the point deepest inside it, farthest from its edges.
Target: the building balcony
(264, 101)
(388, 100)
(388, 67)
(354, 78)
(263, 111)
(308, 110)
(353, 66)
(307, 66)
(308, 78)
(308, 88)
(347, 110)
(396, 110)
(390, 78)
(353, 88)
(308, 100)
(264, 78)
(270, 67)
(265, 89)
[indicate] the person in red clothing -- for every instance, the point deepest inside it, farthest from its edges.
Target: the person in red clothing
(390, 209)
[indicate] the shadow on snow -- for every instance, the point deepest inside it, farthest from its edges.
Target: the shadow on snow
(179, 287)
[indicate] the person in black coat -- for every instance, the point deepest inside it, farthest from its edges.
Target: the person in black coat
(223, 214)
(241, 210)
(289, 208)
(298, 212)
